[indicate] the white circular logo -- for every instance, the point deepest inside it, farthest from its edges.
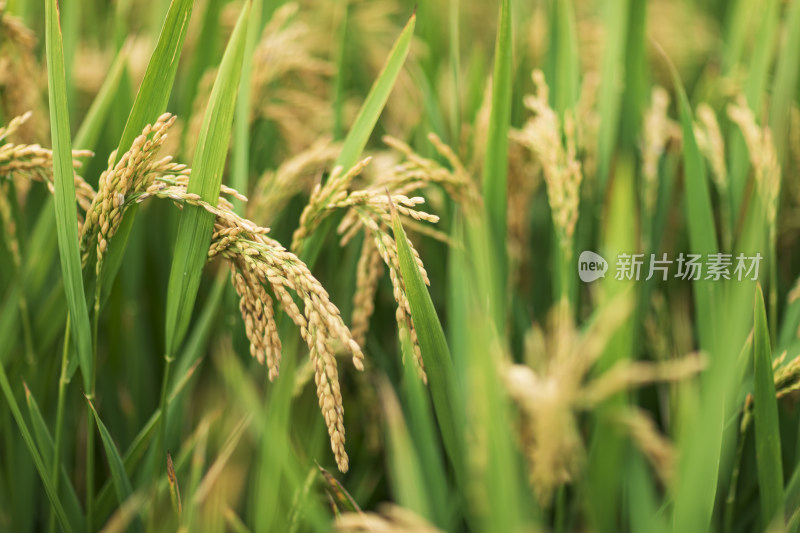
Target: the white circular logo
(591, 266)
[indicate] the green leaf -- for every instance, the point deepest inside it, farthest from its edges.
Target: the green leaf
(196, 224)
(699, 212)
(47, 450)
(122, 485)
(703, 439)
(765, 414)
(567, 60)
(65, 203)
(615, 18)
(404, 468)
(432, 342)
(785, 83)
(424, 437)
(151, 102)
(138, 447)
(368, 115)
(8, 320)
(495, 165)
(362, 128)
(240, 165)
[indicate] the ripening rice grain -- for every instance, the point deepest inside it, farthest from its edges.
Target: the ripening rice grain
(543, 134)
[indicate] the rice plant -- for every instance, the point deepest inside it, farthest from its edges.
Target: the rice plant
(360, 265)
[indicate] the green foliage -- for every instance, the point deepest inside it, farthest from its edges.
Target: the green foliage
(547, 404)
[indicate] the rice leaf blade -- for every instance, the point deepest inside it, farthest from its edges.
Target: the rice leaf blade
(364, 124)
(699, 465)
(122, 484)
(65, 200)
(194, 229)
(368, 115)
(44, 441)
(8, 321)
(767, 429)
(495, 165)
(432, 342)
(240, 165)
(404, 468)
(567, 60)
(615, 17)
(785, 83)
(702, 233)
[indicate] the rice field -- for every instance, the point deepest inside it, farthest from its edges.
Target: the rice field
(386, 266)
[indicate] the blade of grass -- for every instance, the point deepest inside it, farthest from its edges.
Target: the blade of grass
(785, 82)
(767, 429)
(65, 203)
(86, 138)
(122, 484)
(404, 468)
(44, 441)
(791, 321)
(368, 115)
(702, 233)
(432, 342)
(362, 128)
(567, 61)
(607, 466)
(196, 224)
(126, 513)
(67, 225)
(240, 166)
(495, 164)
(497, 473)
(455, 71)
(615, 19)
(702, 441)
(194, 229)
(739, 19)
(138, 447)
(301, 495)
(422, 429)
(196, 471)
(8, 320)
